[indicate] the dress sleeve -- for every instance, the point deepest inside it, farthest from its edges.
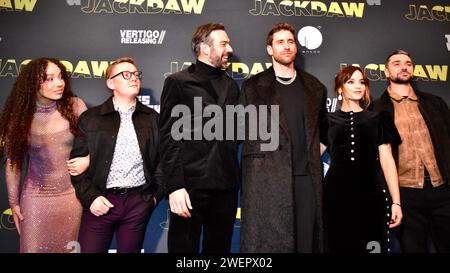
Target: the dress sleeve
(387, 132)
(13, 176)
(78, 106)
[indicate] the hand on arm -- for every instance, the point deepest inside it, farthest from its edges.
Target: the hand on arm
(78, 165)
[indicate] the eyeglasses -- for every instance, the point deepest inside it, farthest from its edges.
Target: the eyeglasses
(127, 74)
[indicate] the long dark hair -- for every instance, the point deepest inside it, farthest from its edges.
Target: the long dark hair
(20, 106)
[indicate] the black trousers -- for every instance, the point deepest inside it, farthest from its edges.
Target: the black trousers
(305, 213)
(214, 214)
(426, 214)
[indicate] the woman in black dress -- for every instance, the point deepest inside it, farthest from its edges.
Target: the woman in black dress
(359, 208)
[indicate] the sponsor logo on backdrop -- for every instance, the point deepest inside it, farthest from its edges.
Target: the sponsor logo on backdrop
(7, 220)
(331, 104)
(310, 38)
(423, 72)
(308, 8)
(446, 36)
(374, 2)
(145, 100)
(139, 6)
(236, 70)
(82, 68)
(428, 13)
(142, 36)
(375, 72)
(17, 5)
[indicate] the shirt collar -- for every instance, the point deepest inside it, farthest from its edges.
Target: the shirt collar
(129, 110)
(411, 96)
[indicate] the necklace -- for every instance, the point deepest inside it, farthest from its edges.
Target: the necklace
(291, 80)
(46, 108)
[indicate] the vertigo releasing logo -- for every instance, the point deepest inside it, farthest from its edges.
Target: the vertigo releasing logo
(139, 36)
(310, 38)
(19, 5)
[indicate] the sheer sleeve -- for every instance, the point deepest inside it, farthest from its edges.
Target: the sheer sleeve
(78, 106)
(387, 132)
(12, 183)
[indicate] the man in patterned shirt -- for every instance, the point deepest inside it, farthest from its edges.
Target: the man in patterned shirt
(121, 187)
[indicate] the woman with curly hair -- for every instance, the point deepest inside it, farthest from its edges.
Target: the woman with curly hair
(37, 126)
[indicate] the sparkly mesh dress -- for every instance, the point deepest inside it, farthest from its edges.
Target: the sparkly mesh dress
(48, 203)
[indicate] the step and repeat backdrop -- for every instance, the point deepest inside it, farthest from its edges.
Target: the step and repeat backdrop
(88, 34)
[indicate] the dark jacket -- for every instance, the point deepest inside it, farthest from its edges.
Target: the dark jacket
(436, 114)
(196, 164)
(267, 197)
(98, 133)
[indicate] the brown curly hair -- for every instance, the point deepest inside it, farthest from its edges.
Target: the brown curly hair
(20, 106)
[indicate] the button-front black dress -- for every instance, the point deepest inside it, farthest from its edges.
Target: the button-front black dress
(357, 202)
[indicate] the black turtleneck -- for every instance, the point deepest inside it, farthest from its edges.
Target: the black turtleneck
(209, 71)
(214, 74)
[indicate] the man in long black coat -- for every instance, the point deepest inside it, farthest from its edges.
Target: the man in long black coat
(281, 198)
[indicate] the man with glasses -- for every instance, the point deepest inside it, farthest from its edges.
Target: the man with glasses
(121, 187)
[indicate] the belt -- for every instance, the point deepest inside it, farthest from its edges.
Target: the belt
(118, 190)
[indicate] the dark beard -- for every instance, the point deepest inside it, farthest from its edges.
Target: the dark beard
(401, 81)
(218, 63)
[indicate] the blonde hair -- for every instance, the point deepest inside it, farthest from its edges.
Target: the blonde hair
(116, 62)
